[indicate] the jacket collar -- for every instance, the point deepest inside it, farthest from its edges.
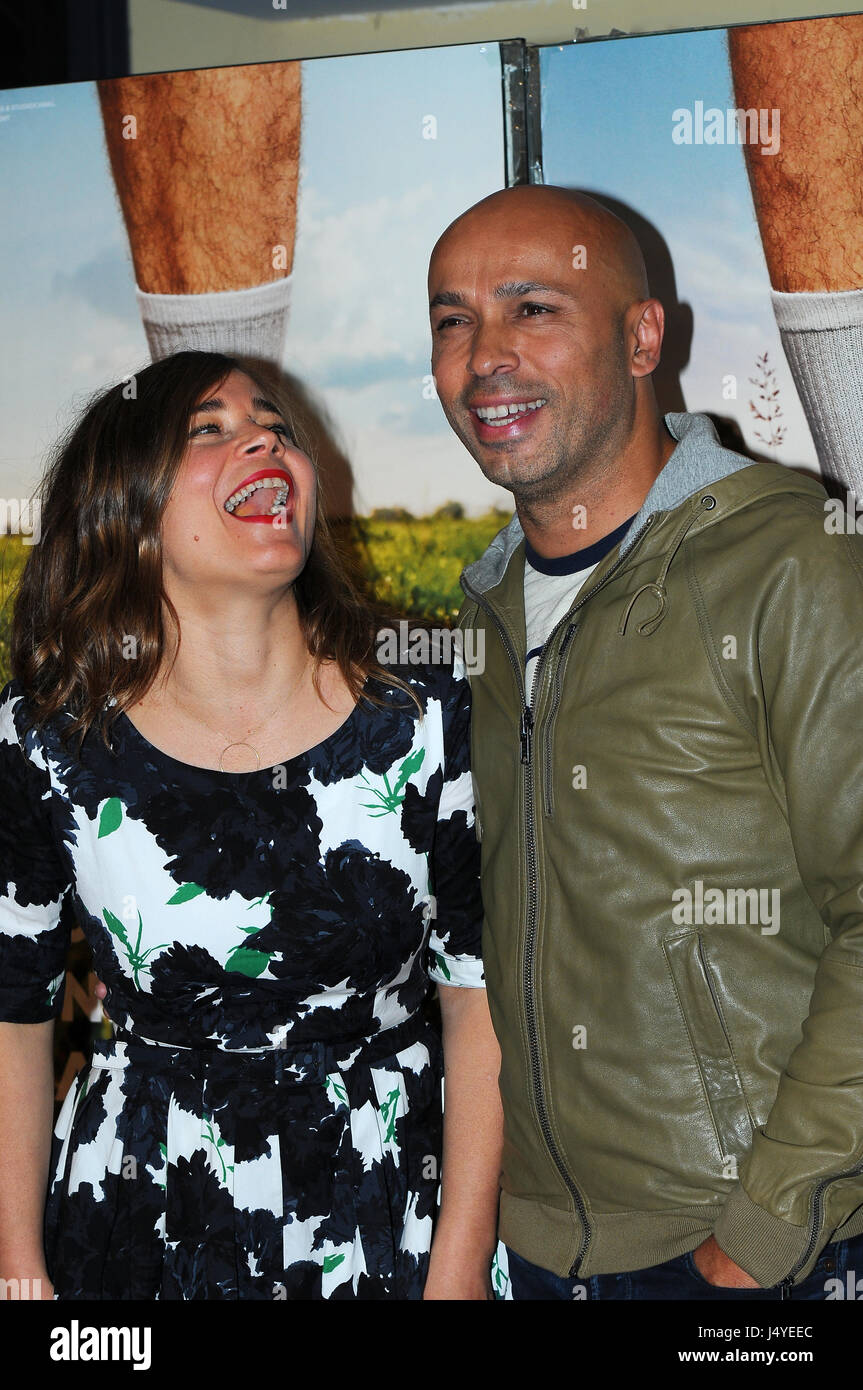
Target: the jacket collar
(698, 459)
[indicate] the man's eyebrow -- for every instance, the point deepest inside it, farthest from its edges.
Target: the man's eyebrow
(450, 298)
(216, 403)
(513, 289)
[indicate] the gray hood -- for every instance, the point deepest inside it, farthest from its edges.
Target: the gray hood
(697, 460)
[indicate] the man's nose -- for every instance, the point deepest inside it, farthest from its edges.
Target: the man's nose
(493, 350)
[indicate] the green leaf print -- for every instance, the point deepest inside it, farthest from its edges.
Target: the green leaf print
(332, 1262)
(135, 956)
(441, 964)
(388, 1113)
(111, 817)
(337, 1089)
(389, 801)
(499, 1280)
(216, 1144)
(55, 986)
(412, 763)
(116, 926)
(247, 962)
(184, 893)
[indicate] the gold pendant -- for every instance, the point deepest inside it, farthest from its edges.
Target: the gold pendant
(242, 744)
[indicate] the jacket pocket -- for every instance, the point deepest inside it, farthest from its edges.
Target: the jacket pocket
(700, 1004)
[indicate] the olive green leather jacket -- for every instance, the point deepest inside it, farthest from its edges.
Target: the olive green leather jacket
(672, 840)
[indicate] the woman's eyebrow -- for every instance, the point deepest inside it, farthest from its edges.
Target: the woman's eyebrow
(216, 403)
(260, 403)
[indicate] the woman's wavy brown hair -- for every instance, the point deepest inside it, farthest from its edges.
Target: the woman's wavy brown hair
(95, 580)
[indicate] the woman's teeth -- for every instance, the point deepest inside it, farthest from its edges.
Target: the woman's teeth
(282, 490)
(502, 414)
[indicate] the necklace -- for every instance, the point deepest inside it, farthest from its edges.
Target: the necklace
(244, 742)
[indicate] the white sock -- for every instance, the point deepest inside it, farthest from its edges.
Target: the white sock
(250, 323)
(822, 335)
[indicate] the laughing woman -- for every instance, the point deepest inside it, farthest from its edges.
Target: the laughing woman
(268, 841)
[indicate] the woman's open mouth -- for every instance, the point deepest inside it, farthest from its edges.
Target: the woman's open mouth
(262, 496)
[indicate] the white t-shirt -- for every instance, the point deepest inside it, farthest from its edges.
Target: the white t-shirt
(551, 587)
(546, 598)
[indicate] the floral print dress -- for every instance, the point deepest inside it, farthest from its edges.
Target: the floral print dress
(265, 1121)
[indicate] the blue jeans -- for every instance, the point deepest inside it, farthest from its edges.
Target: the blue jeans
(679, 1279)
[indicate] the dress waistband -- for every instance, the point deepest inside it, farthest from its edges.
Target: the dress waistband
(302, 1063)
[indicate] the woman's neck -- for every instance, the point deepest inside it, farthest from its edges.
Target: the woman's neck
(236, 658)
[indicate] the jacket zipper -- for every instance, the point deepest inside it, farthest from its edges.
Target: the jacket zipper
(548, 736)
(816, 1212)
(547, 742)
(526, 737)
(526, 733)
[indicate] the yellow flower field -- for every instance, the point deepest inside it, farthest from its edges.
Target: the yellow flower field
(410, 564)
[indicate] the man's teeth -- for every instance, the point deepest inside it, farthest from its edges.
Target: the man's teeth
(497, 414)
(282, 489)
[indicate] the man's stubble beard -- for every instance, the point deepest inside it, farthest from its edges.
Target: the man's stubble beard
(562, 465)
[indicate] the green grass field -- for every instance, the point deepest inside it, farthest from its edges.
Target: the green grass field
(13, 553)
(411, 564)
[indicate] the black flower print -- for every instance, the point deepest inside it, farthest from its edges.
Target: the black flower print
(265, 1121)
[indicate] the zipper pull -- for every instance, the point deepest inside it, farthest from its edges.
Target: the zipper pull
(526, 732)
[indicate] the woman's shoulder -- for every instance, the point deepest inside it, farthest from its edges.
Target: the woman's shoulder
(430, 660)
(15, 712)
(18, 722)
(22, 745)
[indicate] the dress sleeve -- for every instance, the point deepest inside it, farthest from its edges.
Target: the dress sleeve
(33, 883)
(455, 938)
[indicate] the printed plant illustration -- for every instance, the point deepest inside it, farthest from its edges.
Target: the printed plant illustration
(246, 959)
(388, 1110)
(389, 801)
(766, 407)
(441, 964)
(216, 1145)
(135, 956)
(336, 1090)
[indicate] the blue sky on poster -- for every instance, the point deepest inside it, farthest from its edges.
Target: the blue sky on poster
(374, 197)
(607, 126)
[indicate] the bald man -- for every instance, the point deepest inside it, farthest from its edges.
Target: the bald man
(669, 801)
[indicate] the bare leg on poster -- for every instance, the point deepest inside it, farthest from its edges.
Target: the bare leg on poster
(808, 199)
(206, 169)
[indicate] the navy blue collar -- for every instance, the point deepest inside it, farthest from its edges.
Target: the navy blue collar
(579, 559)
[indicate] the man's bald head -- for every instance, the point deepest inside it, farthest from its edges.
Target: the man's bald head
(613, 263)
(544, 338)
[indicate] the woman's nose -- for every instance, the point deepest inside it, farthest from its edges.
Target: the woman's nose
(262, 439)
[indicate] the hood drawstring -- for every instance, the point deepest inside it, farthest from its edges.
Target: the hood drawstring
(657, 586)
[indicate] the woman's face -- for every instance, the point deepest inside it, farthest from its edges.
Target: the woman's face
(243, 505)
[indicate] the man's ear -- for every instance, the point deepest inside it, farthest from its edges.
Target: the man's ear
(646, 327)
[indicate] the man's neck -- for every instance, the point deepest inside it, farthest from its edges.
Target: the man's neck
(599, 503)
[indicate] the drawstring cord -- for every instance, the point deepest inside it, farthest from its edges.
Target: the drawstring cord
(657, 586)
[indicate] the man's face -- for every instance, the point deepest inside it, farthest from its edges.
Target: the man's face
(529, 354)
